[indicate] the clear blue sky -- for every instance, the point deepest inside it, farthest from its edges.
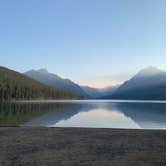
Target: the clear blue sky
(94, 42)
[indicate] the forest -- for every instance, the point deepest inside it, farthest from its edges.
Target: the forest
(16, 86)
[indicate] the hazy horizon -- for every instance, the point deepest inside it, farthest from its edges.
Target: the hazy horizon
(145, 71)
(92, 42)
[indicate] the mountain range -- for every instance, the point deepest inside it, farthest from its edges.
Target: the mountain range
(148, 84)
(53, 80)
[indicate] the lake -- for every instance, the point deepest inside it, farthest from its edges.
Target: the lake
(85, 113)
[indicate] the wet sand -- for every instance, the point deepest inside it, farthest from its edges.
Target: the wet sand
(23, 146)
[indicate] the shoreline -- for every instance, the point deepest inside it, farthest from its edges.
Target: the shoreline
(40, 146)
(79, 101)
(88, 128)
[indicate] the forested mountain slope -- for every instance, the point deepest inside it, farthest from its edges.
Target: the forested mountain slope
(53, 80)
(14, 85)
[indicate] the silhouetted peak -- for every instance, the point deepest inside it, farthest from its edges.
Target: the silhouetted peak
(149, 71)
(43, 70)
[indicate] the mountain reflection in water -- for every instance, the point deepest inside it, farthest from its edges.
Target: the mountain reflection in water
(96, 114)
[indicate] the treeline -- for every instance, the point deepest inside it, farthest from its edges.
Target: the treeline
(14, 85)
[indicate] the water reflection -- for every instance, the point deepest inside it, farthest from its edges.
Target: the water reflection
(145, 115)
(96, 114)
(14, 114)
(98, 118)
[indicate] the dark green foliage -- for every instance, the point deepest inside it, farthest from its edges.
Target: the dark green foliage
(14, 85)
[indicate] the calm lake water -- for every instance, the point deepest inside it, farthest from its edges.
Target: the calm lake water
(85, 113)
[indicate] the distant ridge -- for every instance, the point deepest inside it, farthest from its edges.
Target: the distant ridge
(148, 72)
(99, 93)
(53, 80)
(147, 84)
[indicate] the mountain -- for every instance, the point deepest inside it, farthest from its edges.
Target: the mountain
(99, 93)
(53, 80)
(92, 92)
(147, 84)
(108, 90)
(14, 85)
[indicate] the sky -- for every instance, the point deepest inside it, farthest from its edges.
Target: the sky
(93, 42)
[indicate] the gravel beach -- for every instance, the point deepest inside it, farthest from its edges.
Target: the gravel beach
(25, 146)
